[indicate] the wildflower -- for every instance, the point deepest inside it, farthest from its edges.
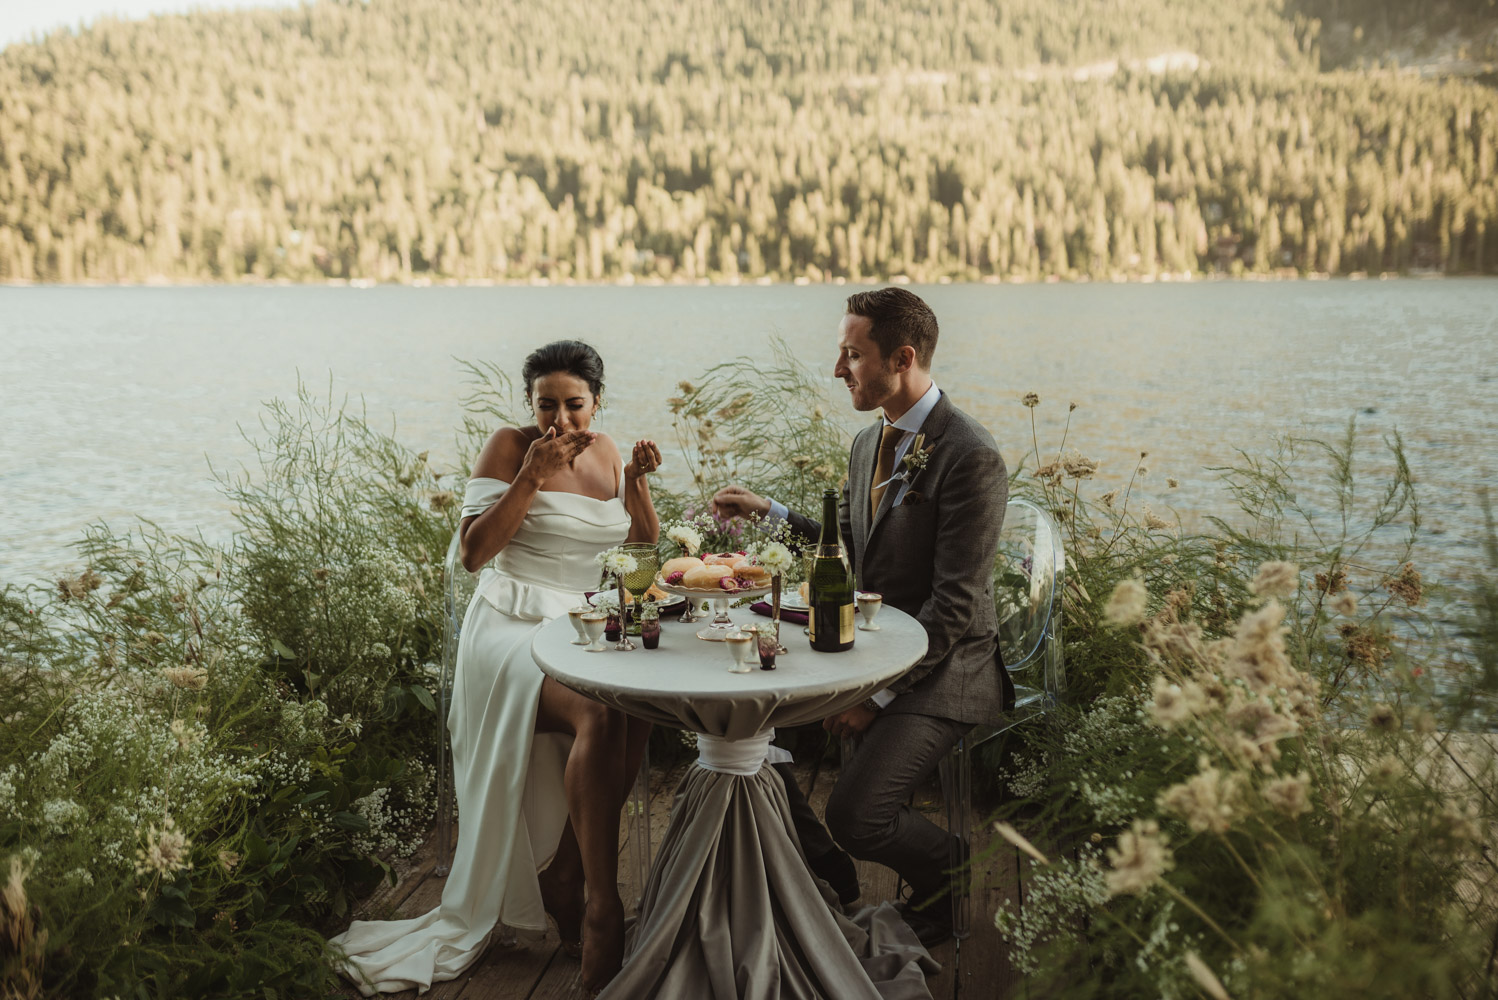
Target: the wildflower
(153, 638)
(1383, 718)
(800, 461)
(1154, 522)
(1331, 583)
(676, 403)
(1257, 654)
(1407, 586)
(1276, 579)
(822, 471)
(1460, 824)
(1174, 704)
(617, 562)
(1031, 400)
(1071, 407)
(1208, 801)
(421, 456)
(442, 499)
(1051, 470)
(1345, 604)
(186, 678)
(1109, 497)
(1385, 769)
(165, 851)
(686, 387)
(1079, 467)
(1425, 723)
(1290, 795)
(1365, 646)
(1143, 471)
(1127, 604)
(1172, 483)
(1019, 840)
(229, 860)
(817, 414)
(774, 557)
(1140, 859)
(185, 735)
(1205, 977)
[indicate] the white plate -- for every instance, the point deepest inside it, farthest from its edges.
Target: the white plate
(674, 601)
(791, 601)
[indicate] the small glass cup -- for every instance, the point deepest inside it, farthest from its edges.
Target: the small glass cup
(650, 626)
(768, 636)
(595, 622)
(612, 627)
(576, 616)
(743, 649)
(869, 605)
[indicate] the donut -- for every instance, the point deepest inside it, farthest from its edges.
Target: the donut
(755, 574)
(705, 577)
(679, 565)
(722, 558)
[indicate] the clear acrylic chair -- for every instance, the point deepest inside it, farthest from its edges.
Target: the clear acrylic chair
(457, 593)
(1029, 572)
(1028, 577)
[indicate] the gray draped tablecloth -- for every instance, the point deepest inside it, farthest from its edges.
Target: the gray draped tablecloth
(731, 909)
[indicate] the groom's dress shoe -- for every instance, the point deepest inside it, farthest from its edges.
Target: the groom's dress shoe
(836, 869)
(932, 923)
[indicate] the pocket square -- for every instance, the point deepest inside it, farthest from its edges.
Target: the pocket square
(912, 498)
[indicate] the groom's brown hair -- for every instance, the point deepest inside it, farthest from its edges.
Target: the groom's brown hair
(897, 319)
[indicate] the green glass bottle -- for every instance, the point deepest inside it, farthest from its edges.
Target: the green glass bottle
(831, 591)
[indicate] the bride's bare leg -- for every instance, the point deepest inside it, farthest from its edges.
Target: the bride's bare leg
(594, 778)
(562, 891)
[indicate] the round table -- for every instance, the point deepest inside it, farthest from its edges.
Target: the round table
(686, 682)
(730, 909)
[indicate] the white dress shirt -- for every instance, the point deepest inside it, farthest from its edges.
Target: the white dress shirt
(910, 422)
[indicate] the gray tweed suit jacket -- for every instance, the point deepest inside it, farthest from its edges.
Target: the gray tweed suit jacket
(932, 557)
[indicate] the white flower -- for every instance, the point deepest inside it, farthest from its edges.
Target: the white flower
(1140, 859)
(686, 536)
(775, 558)
(165, 851)
(617, 562)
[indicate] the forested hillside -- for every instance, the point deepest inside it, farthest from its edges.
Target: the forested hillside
(499, 139)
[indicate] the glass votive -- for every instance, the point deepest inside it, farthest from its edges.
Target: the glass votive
(742, 650)
(650, 628)
(612, 628)
(767, 639)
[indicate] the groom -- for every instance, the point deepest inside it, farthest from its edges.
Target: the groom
(923, 530)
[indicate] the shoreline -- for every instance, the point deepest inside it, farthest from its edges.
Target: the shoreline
(629, 281)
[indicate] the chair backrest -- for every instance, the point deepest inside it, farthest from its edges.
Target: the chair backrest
(458, 586)
(1027, 577)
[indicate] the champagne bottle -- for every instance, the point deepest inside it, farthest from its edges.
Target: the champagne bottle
(831, 590)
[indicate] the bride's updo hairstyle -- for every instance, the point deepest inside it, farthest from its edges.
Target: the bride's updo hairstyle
(570, 356)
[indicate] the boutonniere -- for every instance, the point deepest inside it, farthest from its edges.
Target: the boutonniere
(916, 458)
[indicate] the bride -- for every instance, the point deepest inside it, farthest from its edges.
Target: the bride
(540, 771)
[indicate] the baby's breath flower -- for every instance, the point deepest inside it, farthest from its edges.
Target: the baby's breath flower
(1031, 400)
(1139, 860)
(1276, 579)
(1128, 603)
(1290, 795)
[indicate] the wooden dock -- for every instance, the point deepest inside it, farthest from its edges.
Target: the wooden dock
(976, 968)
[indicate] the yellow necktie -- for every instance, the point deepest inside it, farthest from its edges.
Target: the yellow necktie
(885, 467)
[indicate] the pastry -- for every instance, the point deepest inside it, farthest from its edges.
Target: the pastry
(751, 573)
(705, 577)
(722, 558)
(678, 565)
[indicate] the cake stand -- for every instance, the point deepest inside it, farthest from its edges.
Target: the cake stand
(721, 625)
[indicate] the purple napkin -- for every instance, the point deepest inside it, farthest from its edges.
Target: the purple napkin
(764, 608)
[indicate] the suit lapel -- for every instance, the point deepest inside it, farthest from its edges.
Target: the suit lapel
(935, 425)
(860, 478)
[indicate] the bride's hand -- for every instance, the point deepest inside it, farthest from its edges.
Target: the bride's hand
(552, 452)
(645, 459)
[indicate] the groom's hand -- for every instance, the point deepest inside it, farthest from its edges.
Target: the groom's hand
(735, 501)
(850, 723)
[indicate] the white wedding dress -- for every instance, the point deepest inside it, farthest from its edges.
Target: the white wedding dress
(508, 778)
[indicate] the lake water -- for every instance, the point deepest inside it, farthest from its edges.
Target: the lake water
(112, 400)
